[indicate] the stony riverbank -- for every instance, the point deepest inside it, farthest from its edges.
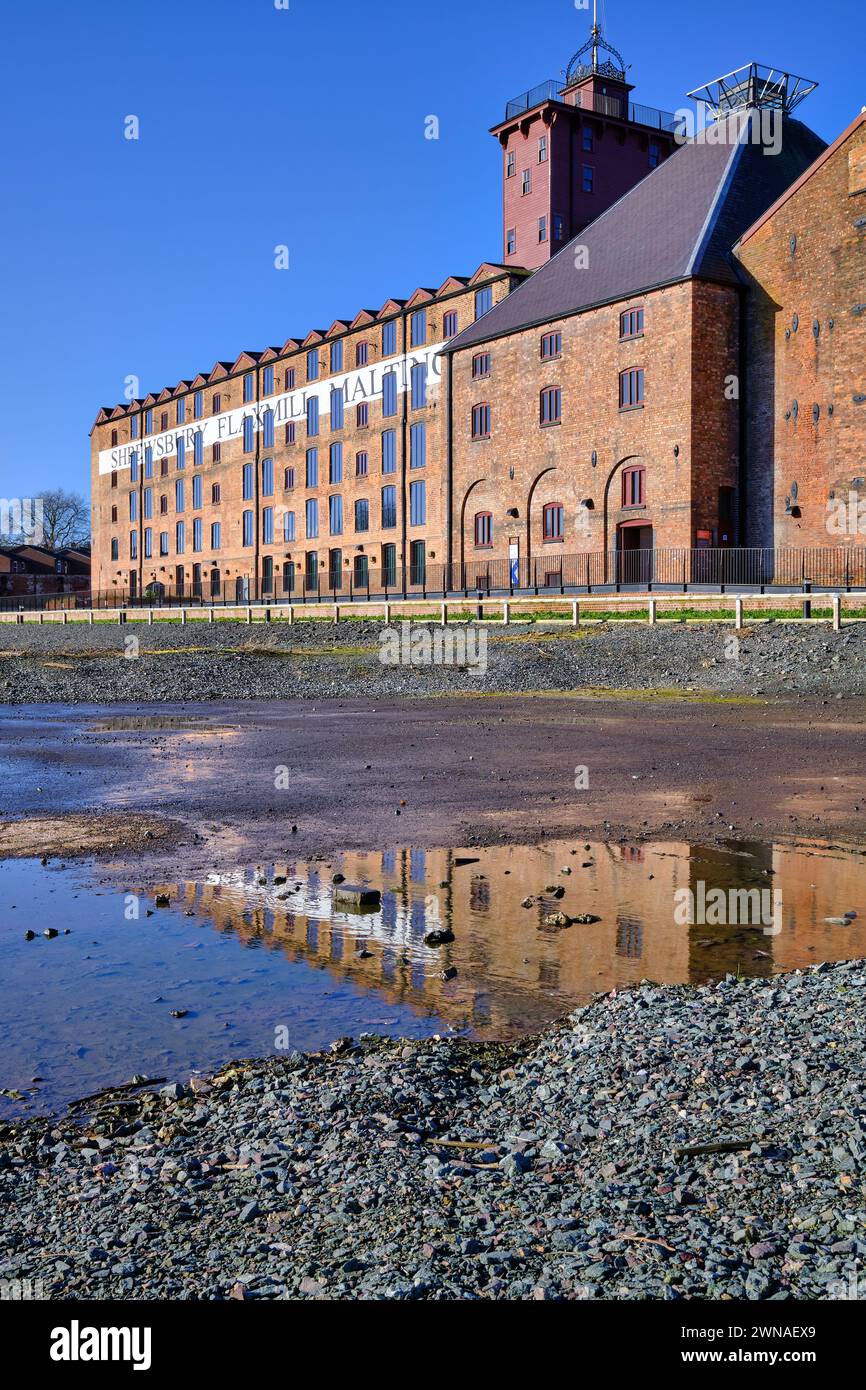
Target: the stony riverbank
(227, 660)
(446, 1169)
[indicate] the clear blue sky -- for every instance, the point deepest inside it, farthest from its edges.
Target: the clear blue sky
(260, 127)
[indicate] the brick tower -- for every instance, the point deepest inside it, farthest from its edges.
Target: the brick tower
(570, 148)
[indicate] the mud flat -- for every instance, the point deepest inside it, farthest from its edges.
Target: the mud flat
(662, 1143)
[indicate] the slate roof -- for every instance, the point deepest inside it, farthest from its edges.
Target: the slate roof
(677, 223)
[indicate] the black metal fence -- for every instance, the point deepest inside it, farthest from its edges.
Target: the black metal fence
(612, 571)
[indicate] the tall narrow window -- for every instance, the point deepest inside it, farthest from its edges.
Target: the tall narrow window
(312, 415)
(633, 494)
(631, 387)
(268, 430)
(181, 410)
(198, 449)
(133, 467)
(196, 492)
(180, 537)
(389, 451)
(198, 405)
(337, 356)
(249, 434)
(419, 385)
(268, 381)
(481, 421)
(450, 324)
(335, 464)
(527, 182)
(267, 526)
(542, 229)
(362, 415)
(480, 366)
(247, 521)
(312, 518)
(417, 504)
(483, 301)
(312, 468)
(551, 405)
(181, 451)
(288, 526)
(337, 409)
(631, 323)
(197, 533)
(313, 364)
(249, 388)
(248, 482)
(361, 464)
(419, 328)
(148, 462)
(215, 535)
(588, 178)
(553, 521)
(389, 393)
(178, 495)
(335, 515)
(267, 477)
(389, 338)
(362, 354)
(389, 507)
(418, 446)
(362, 514)
(148, 422)
(542, 149)
(483, 530)
(551, 346)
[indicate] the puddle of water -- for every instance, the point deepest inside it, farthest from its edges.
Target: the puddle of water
(266, 958)
(144, 723)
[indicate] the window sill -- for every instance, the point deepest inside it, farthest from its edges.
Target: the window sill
(484, 547)
(630, 337)
(549, 424)
(553, 540)
(480, 438)
(624, 409)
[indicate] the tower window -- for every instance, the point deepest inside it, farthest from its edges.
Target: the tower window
(588, 178)
(481, 421)
(551, 346)
(631, 323)
(480, 365)
(511, 242)
(542, 229)
(551, 406)
(542, 149)
(483, 530)
(510, 164)
(631, 388)
(527, 181)
(587, 139)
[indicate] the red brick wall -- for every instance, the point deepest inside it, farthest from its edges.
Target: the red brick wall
(821, 281)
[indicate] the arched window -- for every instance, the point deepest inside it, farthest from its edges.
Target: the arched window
(481, 421)
(631, 388)
(550, 412)
(483, 530)
(553, 521)
(633, 487)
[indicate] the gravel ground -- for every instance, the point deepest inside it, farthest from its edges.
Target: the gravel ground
(317, 661)
(330, 1176)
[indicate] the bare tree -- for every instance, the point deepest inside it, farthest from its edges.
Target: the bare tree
(65, 522)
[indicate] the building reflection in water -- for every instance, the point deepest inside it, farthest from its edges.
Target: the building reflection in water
(512, 973)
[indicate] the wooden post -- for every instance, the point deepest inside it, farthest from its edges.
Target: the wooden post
(291, 613)
(387, 608)
(506, 613)
(837, 612)
(183, 617)
(738, 610)
(65, 617)
(89, 617)
(575, 613)
(652, 612)
(210, 614)
(249, 615)
(444, 619)
(336, 613)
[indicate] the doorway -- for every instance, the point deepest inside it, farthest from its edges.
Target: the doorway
(634, 553)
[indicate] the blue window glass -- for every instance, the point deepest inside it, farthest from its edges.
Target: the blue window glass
(268, 526)
(313, 415)
(389, 451)
(247, 528)
(133, 466)
(148, 422)
(483, 301)
(196, 533)
(215, 535)
(148, 543)
(312, 468)
(288, 526)
(362, 514)
(249, 388)
(337, 356)
(312, 518)
(268, 381)
(335, 465)
(419, 328)
(178, 494)
(134, 434)
(181, 451)
(133, 506)
(247, 482)
(181, 410)
(180, 538)
(313, 364)
(449, 325)
(389, 393)
(249, 434)
(389, 338)
(268, 430)
(337, 410)
(417, 504)
(389, 506)
(418, 446)
(419, 385)
(148, 501)
(148, 462)
(198, 405)
(198, 449)
(335, 515)
(133, 545)
(267, 477)
(196, 492)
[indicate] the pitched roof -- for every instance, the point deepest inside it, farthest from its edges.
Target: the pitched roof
(679, 222)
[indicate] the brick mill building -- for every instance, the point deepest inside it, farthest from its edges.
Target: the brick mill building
(667, 365)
